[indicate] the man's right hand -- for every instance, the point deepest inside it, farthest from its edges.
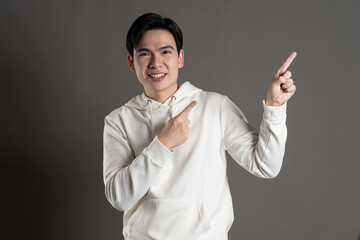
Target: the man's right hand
(176, 130)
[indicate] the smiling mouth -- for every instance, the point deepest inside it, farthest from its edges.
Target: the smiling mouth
(159, 75)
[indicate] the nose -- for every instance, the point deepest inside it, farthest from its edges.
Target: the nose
(155, 61)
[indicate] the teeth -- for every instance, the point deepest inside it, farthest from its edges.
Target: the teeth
(157, 75)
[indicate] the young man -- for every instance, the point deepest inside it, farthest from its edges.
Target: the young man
(170, 180)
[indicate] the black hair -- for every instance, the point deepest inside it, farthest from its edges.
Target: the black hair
(152, 21)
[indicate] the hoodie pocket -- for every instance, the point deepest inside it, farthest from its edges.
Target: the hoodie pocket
(171, 219)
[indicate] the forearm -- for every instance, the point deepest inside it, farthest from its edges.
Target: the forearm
(260, 153)
(127, 179)
(270, 147)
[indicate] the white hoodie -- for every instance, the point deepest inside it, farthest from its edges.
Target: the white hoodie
(184, 194)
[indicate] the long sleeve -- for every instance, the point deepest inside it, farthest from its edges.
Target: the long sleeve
(127, 179)
(261, 153)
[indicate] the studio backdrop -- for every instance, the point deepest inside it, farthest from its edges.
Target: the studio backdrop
(64, 68)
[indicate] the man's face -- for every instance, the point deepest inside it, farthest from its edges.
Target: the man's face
(157, 63)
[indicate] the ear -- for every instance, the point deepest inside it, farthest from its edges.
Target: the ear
(181, 59)
(131, 62)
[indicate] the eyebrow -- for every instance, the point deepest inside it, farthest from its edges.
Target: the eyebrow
(142, 50)
(167, 46)
(148, 50)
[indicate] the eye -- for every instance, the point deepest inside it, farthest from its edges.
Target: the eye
(166, 52)
(143, 54)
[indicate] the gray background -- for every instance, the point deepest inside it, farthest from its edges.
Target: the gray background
(63, 68)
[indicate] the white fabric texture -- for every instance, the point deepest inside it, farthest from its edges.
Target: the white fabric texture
(184, 193)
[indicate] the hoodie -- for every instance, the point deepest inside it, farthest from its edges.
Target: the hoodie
(184, 193)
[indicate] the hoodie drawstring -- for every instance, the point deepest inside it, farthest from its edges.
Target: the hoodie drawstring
(173, 98)
(151, 117)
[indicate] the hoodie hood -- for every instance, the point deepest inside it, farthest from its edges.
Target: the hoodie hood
(141, 102)
(144, 103)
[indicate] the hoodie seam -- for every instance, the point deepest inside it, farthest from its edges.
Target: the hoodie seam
(266, 146)
(110, 124)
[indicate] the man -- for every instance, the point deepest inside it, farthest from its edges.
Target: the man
(170, 180)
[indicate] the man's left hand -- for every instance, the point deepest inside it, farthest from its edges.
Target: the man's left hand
(282, 86)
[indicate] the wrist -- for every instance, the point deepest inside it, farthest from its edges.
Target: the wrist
(163, 142)
(272, 103)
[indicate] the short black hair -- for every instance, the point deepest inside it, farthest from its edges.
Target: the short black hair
(152, 21)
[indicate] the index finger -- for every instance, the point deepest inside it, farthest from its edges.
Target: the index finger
(287, 63)
(186, 110)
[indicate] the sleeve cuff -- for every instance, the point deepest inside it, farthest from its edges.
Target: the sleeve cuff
(159, 153)
(274, 114)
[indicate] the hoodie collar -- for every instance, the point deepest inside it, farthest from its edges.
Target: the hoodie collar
(141, 101)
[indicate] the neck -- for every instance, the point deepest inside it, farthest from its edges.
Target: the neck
(161, 97)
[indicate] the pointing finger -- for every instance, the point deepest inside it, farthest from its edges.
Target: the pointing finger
(286, 64)
(187, 110)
